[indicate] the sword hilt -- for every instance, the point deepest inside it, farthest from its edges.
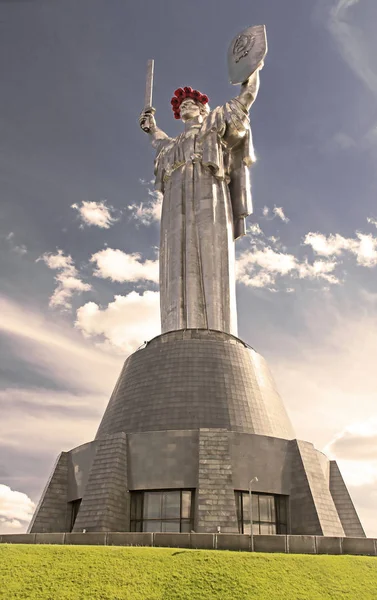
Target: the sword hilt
(145, 124)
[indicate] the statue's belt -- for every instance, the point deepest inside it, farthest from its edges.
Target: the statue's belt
(194, 158)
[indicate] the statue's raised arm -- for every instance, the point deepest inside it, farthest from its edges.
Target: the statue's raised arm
(203, 175)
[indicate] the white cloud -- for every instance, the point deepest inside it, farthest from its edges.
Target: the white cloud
(119, 266)
(261, 267)
(125, 324)
(356, 442)
(364, 246)
(325, 373)
(67, 280)
(278, 212)
(18, 249)
(352, 43)
(254, 229)
(355, 450)
(147, 212)
(373, 221)
(53, 348)
(265, 211)
(14, 507)
(95, 213)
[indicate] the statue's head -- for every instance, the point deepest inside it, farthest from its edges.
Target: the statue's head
(188, 104)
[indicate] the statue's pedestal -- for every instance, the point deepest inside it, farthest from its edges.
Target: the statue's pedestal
(196, 411)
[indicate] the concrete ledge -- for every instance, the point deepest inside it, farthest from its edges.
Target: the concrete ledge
(232, 541)
(270, 543)
(293, 544)
(50, 538)
(130, 539)
(18, 538)
(301, 544)
(364, 546)
(328, 545)
(86, 539)
(171, 540)
(202, 541)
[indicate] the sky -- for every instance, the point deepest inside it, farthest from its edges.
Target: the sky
(79, 219)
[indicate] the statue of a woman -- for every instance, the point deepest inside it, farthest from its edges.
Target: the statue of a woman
(203, 175)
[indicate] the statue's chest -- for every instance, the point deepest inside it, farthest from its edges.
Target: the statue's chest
(183, 147)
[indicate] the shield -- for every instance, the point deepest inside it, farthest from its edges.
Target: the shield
(246, 52)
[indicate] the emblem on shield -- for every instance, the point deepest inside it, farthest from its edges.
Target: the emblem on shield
(246, 52)
(242, 46)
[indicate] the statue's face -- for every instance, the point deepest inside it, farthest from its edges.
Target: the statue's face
(189, 109)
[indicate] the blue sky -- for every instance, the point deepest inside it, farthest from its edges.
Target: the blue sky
(79, 219)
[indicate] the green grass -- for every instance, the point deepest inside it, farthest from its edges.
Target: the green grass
(117, 573)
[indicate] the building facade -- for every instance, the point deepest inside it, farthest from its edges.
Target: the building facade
(194, 429)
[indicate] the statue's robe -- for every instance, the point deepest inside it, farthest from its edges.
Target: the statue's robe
(204, 178)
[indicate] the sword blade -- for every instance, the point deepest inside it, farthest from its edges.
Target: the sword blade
(149, 84)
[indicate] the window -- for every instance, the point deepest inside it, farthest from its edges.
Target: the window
(75, 507)
(269, 513)
(163, 510)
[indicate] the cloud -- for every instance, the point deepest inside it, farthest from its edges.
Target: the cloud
(278, 212)
(325, 373)
(18, 249)
(119, 266)
(356, 442)
(364, 246)
(55, 348)
(254, 229)
(44, 421)
(125, 324)
(355, 450)
(14, 507)
(95, 214)
(373, 221)
(67, 280)
(147, 212)
(261, 267)
(352, 43)
(38, 421)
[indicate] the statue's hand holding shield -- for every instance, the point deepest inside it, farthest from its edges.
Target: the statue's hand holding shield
(246, 53)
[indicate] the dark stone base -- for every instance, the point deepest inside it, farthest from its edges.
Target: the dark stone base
(196, 410)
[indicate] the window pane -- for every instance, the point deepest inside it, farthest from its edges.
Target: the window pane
(267, 508)
(171, 502)
(170, 526)
(255, 506)
(246, 527)
(282, 528)
(186, 526)
(246, 505)
(267, 528)
(152, 526)
(136, 506)
(281, 505)
(186, 505)
(256, 530)
(152, 505)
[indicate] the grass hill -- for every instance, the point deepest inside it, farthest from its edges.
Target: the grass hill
(118, 573)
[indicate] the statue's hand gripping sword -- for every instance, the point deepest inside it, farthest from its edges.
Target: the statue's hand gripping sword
(148, 109)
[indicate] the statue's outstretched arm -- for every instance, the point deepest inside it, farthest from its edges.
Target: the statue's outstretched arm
(156, 135)
(249, 90)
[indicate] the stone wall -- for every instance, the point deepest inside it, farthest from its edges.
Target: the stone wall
(51, 514)
(344, 505)
(216, 505)
(293, 544)
(196, 379)
(105, 505)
